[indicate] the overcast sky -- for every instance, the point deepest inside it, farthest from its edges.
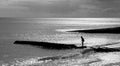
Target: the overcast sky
(60, 8)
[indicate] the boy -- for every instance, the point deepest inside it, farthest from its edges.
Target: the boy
(82, 39)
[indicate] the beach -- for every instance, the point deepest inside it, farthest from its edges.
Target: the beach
(51, 30)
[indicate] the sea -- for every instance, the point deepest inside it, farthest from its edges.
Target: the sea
(52, 30)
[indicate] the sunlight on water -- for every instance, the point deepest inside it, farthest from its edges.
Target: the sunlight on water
(89, 41)
(97, 41)
(84, 21)
(55, 31)
(65, 30)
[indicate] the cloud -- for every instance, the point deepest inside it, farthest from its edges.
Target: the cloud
(60, 8)
(37, 7)
(50, 6)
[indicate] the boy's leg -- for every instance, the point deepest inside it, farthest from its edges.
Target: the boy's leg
(82, 44)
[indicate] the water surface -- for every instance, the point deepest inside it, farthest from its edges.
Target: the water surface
(49, 30)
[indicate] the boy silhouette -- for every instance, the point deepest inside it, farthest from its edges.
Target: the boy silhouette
(82, 39)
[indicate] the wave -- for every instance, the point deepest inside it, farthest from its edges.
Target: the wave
(74, 57)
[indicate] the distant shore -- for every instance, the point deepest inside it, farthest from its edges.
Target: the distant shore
(113, 30)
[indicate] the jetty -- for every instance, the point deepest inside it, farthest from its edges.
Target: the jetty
(60, 46)
(48, 45)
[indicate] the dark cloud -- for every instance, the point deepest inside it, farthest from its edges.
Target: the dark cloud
(62, 7)
(65, 8)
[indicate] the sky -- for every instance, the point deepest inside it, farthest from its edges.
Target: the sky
(60, 8)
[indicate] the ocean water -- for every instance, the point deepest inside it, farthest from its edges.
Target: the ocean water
(49, 30)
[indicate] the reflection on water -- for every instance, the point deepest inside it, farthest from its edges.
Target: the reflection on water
(47, 32)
